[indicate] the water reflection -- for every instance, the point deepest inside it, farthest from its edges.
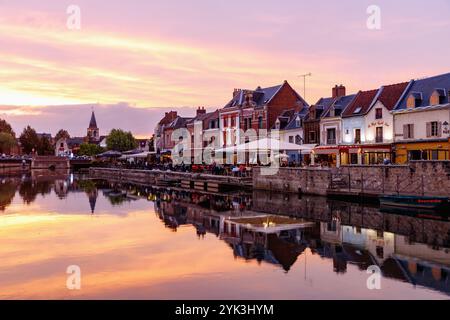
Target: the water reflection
(267, 229)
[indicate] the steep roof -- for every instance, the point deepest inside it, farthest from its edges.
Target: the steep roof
(361, 104)
(302, 114)
(424, 88)
(285, 118)
(391, 94)
(339, 105)
(261, 96)
(178, 123)
(93, 122)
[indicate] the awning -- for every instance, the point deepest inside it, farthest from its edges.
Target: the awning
(141, 155)
(268, 144)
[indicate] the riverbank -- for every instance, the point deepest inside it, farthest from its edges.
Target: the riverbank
(421, 178)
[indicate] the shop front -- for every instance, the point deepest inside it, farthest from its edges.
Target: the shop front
(420, 150)
(327, 156)
(365, 154)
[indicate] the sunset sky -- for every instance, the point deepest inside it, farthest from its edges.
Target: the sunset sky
(133, 59)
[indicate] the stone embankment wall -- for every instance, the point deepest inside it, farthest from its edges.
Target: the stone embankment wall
(47, 162)
(418, 178)
(294, 180)
(13, 167)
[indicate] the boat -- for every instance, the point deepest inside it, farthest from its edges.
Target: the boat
(415, 202)
(436, 208)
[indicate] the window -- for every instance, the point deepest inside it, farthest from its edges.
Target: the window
(277, 124)
(379, 135)
(438, 97)
(357, 135)
(357, 110)
(297, 122)
(233, 120)
(414, 100)
(331, 136)
(298, 139)
(312, 136)
(260, 122)
(408, 131)
(433, 129)
(291, 139)
(378, 113)
(332, 113)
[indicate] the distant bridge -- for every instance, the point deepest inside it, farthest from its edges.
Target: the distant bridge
(50, 162)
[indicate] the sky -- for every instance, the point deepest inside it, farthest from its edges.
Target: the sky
(133, 60)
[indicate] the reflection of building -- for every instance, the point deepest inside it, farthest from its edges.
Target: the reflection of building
(61, 188)
(92, 196)
(274, 239)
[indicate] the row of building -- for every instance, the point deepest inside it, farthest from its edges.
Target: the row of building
(396, 122)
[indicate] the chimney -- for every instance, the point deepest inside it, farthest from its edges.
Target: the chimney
(338, 91)
(201, 110)
(235, 92)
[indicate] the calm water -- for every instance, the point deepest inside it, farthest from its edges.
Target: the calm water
(138, 243)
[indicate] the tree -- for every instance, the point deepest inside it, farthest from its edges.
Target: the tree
(29, 140)
(62, 134)
(89, 149)
(7, 141)
(45, 147)
(6, 128)
(119, 140)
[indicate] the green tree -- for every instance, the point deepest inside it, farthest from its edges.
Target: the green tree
(7, 141)
(45, 147)
(89, 149)
(62, 134)
(6, 128)
(119, 140)
(29, 140)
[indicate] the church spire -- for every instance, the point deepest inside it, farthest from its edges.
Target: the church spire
(93, 122)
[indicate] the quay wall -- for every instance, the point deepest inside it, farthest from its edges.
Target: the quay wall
(417, 178)
(13, 167)
(155, 177)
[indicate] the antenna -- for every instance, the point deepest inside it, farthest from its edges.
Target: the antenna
(304, 83)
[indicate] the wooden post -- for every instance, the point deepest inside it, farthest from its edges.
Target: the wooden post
(349, 181)
(362, 181)
(423, 187)
(398, 185)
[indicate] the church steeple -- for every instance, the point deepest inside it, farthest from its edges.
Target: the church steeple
(93, 132)
(93, 122)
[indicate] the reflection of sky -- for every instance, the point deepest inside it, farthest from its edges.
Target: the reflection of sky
(126, 252)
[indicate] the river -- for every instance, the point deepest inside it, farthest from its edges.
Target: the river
(137, 242)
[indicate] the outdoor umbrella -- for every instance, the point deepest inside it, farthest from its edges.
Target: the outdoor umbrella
(110, 154)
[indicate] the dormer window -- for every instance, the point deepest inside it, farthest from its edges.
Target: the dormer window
(414, 100)
(298, 123)
(312, 112)
(277, 124)
(437, 97)
(332, 113)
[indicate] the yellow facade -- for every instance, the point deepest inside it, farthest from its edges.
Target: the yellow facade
(432, 150)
